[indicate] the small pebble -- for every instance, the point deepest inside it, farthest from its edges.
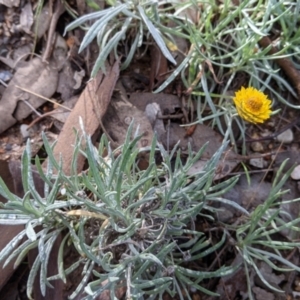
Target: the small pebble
(8, 147)
(257, 162)
(151, 111)
(5, 76)
(265, 133)
(24, 131)
(271, 123)
(257, 147)
(296, 173)
(225, 215)
(286, 137)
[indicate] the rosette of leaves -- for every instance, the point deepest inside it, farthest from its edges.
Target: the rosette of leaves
(130, 23)
(129, 227)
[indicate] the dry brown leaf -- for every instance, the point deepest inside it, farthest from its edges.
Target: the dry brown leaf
(159, 66)
(233, 285)
(191, 13)
(26, 18)
(167, 102)
(119, 115)
(40, 78)
(262, 294)
(90, 107)
(66, 82)
(201, 135)
(10, 3)
(250, 195)
(60, 113)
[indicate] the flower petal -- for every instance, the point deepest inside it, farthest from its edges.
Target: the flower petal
(252, 105)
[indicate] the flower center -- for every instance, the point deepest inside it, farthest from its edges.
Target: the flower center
(254, 104)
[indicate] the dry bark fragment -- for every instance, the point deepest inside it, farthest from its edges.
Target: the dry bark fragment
(284, 63)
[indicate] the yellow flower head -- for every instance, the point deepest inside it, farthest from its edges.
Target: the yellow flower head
(252, 105)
